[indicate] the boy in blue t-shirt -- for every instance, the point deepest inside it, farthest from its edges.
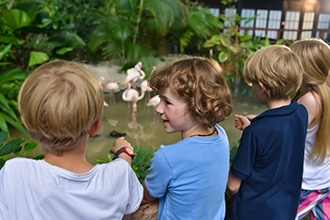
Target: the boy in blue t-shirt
(266, 173)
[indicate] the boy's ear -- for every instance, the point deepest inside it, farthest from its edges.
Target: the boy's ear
(23, 120)
(95, 128)
(262, 87)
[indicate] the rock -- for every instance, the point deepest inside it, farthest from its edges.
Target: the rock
(147, 211)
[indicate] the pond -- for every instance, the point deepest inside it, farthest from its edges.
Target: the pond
(145, 129)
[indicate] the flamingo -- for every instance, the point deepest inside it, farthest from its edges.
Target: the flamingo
(146, 88)
(135, 74)
(132, 96)
(112, 87)
(102, 82)
(154, 101)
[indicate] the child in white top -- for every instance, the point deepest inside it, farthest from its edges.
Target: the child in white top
(61, 104)
(314, 94)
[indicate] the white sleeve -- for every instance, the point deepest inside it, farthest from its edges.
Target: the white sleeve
(3, 206)
(136, 193)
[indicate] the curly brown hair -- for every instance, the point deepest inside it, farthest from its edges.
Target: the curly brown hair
(201, 83)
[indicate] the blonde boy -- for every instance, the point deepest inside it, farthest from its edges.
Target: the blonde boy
(266, 172)
(61, 104)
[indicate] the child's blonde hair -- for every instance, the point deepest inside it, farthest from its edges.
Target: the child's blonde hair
(315, 54)
(277, 68)
(201, 83)
(59, 102)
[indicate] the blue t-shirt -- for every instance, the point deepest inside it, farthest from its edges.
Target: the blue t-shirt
(269, 161)
(190, 177)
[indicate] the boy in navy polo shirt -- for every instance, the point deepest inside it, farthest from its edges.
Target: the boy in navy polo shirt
(266, 173)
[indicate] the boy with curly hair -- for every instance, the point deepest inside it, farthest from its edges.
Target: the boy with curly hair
(189, 177)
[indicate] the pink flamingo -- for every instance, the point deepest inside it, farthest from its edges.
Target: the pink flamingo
(132, 97)
(111, 88)
(135, 74)
(154, 101)
(102, 82)
(146, 88)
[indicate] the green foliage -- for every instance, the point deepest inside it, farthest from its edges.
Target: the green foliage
(11, 79)
(15, 147)
(31, 33)
(202, 24)
(232, 48)
(132, 31)
(140, 163)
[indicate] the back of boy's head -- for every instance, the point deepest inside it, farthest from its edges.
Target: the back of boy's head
(278, 68)
(315, 54)
(59, 102)
(201, 83)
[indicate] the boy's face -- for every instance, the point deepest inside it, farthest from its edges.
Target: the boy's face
(174, 112)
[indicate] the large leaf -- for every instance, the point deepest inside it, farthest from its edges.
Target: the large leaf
(15, 19)
(3, 124)
(37, 58)
(215, 40)
(223, 57)
(3, 137)
(4, 51)
(10, 39)
(16, 123)
(5, 107)
(167, 14)
(2, 162)
(11, 146)
(12, 75)
(28, 147)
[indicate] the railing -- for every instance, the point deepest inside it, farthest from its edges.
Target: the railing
(321, 33)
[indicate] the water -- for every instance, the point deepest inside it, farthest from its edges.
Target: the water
(146, 129)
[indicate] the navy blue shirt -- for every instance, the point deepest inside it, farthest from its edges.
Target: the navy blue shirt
(269, 161)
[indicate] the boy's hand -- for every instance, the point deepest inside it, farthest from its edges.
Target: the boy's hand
(120, 142)
(242, 122)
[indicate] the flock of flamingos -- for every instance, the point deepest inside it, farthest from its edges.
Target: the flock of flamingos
(135, 79)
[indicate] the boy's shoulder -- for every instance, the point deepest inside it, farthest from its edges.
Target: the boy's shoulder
(20, 161)
(20, 166)
(292, 109)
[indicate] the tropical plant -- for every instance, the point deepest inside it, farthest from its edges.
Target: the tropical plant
(140, 163)
(15, 147)
(201, 25)
(11, 79)
(132, 31)
(232, 48)
(31, 33)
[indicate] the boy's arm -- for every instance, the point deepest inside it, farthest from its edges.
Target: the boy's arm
(234, 183)
(146, 196)
(120, 143)
(127, 217)
(241, 122)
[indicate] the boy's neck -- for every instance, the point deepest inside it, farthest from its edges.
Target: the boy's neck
(73, 160)
(278, 103)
